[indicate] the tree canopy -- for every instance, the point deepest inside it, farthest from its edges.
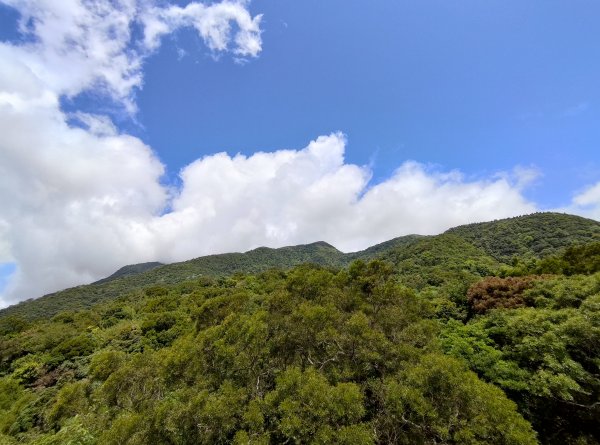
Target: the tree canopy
(435, 342)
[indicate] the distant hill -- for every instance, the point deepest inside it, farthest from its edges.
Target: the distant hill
(535, 235)
(380, 249)
(471, 250)
(130, 278)
(434, 260)
(132, 269)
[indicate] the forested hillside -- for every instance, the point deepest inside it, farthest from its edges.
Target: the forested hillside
(132, 269)
(458, 254)
(257, 260)
(536, 235)
(487, 334)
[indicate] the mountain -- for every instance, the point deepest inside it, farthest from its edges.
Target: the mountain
(132, 269)
(131, 278)
(466, 251)
(380, 249)
(535, 235)
(487, 333)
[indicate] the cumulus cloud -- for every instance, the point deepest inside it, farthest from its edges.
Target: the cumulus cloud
(67, 192)
(79, 201)
(70, 235)
(77, 196)
(288, 197)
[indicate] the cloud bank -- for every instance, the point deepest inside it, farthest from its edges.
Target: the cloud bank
(80, 201)
(310, 194)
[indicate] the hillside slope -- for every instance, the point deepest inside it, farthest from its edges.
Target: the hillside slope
(132, 269)
(466, 251)
(254, 261)
(535, 235)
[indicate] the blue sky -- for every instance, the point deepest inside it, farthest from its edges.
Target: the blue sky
(481, 95)
(478, 86)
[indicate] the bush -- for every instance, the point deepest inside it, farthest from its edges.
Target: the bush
(493, 292)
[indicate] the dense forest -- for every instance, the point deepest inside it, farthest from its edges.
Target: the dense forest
(486, 334)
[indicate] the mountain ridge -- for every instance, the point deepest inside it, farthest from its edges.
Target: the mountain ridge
(533, 235)
(130, 269)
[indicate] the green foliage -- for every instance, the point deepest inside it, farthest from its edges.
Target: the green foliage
(72, 433)
(11, 325)
(307, 409)
(418, 346)
(70, 400)
(439, 401)
(299, 357)
(104, 363)
(78, 346)
(440, 260)
(132, 269)
(582, 259)
(545, 356)
(531, 236)
(26, 369)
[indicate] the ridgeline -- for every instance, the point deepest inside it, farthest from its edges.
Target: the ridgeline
(488, 244)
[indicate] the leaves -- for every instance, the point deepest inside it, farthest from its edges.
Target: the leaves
(420, 348)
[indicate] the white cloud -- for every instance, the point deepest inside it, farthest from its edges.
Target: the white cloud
(213, 23)
(96, 124)
(86, 214)
(287, 197)
(80, 44)
(525, 176)
(5, 255)
(77, 203)
(591, 196)
(586, 203)
(77, 44)
(71, 200)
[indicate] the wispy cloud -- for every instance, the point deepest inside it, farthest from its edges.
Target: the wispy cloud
(77, 45)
